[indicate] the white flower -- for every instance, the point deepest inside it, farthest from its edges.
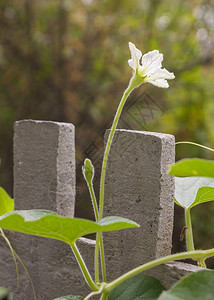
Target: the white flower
(148, 67)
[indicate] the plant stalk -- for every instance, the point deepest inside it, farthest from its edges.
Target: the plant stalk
(102, 258)
(197, 255)
(94, 202)
(195, 144)
(104, 296)
(15, 255)
(96, 258)
(134, 82)
(189, 233)
(83, 267)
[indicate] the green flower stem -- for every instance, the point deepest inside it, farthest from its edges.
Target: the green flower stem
(96, 258)
(102, 258)
(197, 255)
(84, 269)
(91, 190)
(104, 296)
(99, 242)
(201, 263)
(134, 82)
(95, 207)
(189, 234)
(94, 202)
(195, 144)
(95, 293)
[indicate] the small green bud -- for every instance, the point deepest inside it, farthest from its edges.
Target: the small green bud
(88, 170)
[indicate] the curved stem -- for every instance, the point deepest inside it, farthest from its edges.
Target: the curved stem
(94, 202)
(28, 274)
(93, 198)
(96, 258)
(189, 234)
(132, 84)
(15, 255)
(104, 296)
(102, 258)
(100, 241)
(201, 263)
(195, 144)
(197, 255)
(12, 252)
(95, 293)
(83, 268)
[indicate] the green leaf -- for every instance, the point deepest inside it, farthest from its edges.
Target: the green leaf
(6, 203)
(70, 297)
(187, 190)
(48, 224)
(138, 287)
(205, 194)
(192, 167)
(5, 294)
(195, 286)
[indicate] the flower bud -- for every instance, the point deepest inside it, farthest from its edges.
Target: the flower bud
(88, 170)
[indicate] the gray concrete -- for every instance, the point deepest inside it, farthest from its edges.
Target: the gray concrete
(170, 273)
(44, 178)
(138, 187)
(44, 166)
(51, 264)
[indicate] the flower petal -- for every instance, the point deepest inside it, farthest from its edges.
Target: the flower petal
(136, 54)
(161, 73)
(162, 83)
(151, 60)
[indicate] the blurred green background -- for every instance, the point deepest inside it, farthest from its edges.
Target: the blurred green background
(67, 61)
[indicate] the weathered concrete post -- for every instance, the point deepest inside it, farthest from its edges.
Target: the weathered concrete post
(44, 178)
(44, 166)
(138, 187)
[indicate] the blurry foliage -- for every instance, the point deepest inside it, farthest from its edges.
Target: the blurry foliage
(67, 61)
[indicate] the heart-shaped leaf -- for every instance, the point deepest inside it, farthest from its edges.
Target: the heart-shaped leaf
(139, 287)
(192, 167)
(195, 286)
(6, 203)
(5, 294)
(187, 193)
(70, 297)
(48, 224)
(205, 194)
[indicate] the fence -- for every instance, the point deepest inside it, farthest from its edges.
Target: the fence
(137, 186)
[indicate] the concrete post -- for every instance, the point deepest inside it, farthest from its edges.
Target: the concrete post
(44, 166)
(138, 187)
(44, 178)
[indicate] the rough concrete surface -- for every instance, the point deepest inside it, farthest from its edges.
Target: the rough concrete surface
(44, 178)
(138, 187)
(170, 273)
